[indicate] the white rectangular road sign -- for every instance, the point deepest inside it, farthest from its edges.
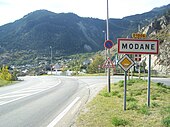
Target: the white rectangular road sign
(137, 46)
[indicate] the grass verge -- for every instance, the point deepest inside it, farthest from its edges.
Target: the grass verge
(106, 109)
(5, 83)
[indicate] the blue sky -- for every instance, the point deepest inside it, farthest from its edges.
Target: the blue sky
(11, 10)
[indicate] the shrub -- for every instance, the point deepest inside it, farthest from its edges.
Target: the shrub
(121, 83)
(119, 96)
(166, 121)
(144, 110)
(105, 94)
(114, 93)
(4, 74)
(154, 97)
(165, 110)
(119, 122)
(162, 85)
(130, 82)
(130, 99)
(115, 84)
(154, 104)
(132, 106)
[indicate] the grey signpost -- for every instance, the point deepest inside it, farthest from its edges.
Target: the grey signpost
(149, 81)
(107, 31)
(125, 89)
(108, 45)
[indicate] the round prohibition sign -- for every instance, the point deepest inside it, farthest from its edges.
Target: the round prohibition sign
(108, 44)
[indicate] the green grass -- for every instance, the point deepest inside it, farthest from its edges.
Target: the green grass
(5, 83)
(166, 121)
(106, 109)
(119, 121)
(144, 110)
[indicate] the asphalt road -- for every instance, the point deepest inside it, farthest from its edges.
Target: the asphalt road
(49, 101)
(44, 101)
(35, 101)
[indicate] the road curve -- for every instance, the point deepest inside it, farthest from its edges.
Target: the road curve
(49, 101)
(36, 101)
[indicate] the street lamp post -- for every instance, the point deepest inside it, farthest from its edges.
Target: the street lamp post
(108, 51)
(105, 38)
(51, 57)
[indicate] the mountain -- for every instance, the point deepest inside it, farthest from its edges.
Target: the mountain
(160, 29)
(66, 33)
(148, 16)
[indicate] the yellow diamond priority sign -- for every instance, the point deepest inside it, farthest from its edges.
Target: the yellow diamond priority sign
(125, 62)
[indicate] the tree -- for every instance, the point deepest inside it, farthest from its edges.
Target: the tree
(98, 61)
(5, 74)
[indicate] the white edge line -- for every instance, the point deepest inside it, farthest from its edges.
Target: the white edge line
(6, 102)
(60, 116)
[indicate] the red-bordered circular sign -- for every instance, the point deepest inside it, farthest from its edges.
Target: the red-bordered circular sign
(108, 44)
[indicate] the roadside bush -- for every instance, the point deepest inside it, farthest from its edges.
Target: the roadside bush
(144, 110)
(165, 110)
(154, 104)
(155, 96)
(132, 106)
(162, 85)
(166, 121)
(119, 122)
(130, 82)
(130, 99)
(121, 83)
(159, 84)
(105, 94)
(5, 74)
(119, 96)
(115, 84)
(114, 93)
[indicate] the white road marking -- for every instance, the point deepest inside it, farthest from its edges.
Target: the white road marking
(6, 102)
(12, 96)
(60, 116)
(17, 95)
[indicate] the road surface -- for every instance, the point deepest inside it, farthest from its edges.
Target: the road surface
(48, 101)
(43, 101)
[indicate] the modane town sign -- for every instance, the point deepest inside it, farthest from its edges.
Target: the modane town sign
(137, 46)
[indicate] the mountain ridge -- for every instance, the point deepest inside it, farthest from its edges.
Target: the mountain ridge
(66, 33)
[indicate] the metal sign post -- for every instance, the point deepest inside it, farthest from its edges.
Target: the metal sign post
(149, 81)
(125, 89)
(125, 63)
(108, 45)
(107, 25)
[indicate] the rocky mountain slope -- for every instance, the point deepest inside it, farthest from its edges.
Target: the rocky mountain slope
(160, 29)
